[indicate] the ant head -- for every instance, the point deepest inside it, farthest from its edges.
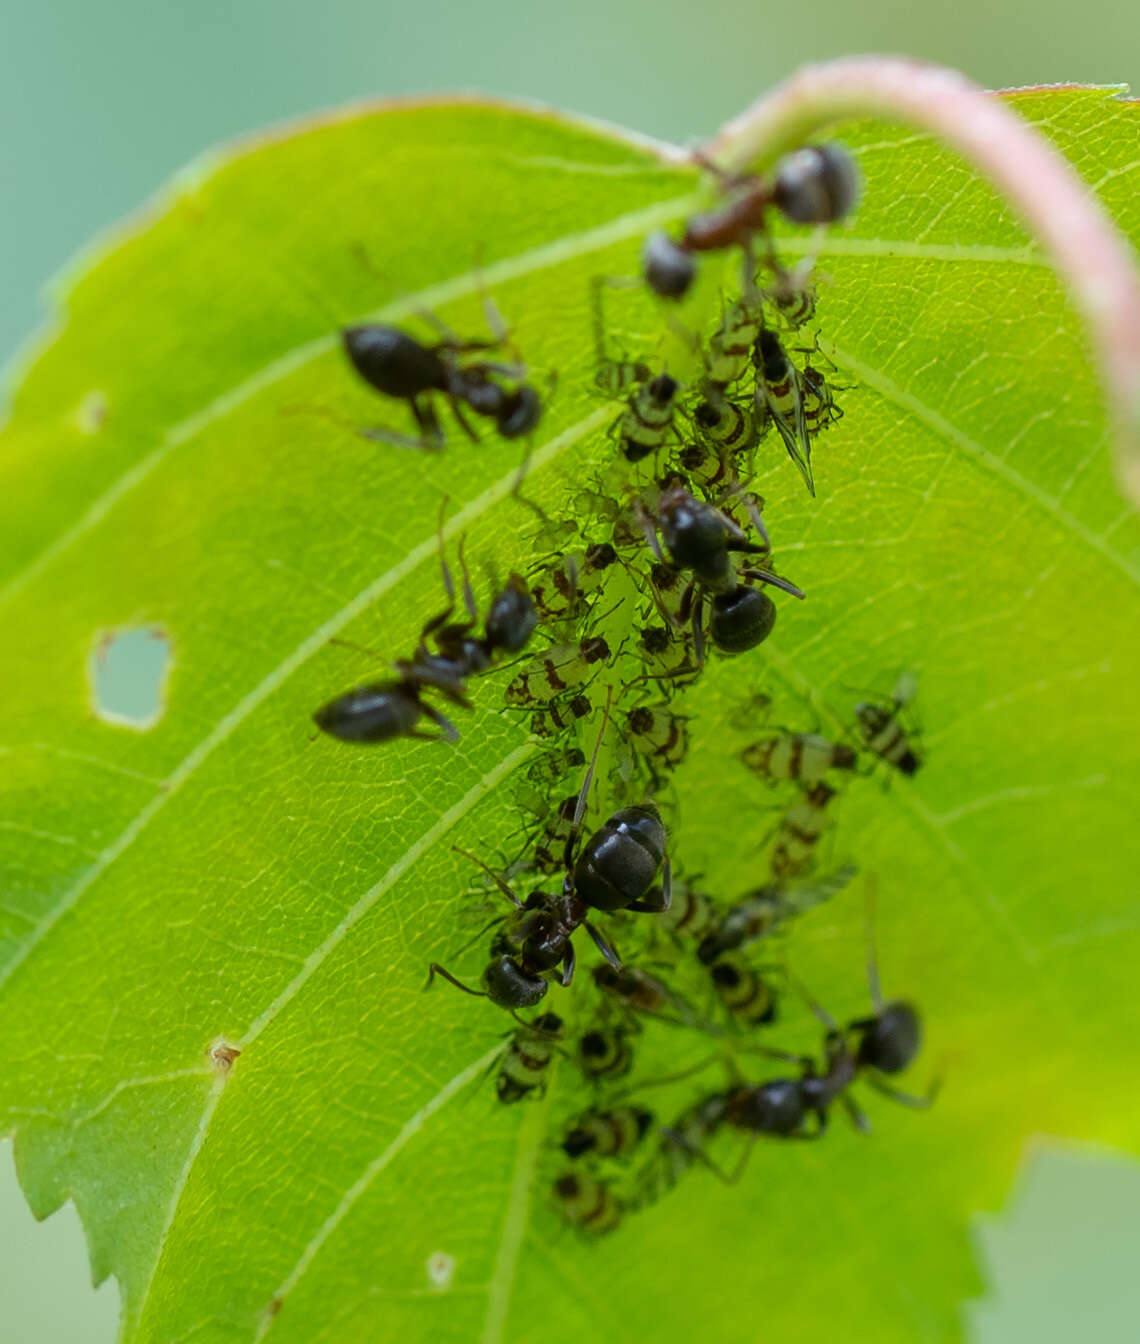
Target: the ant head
(512, 618)
(519, 413)
(508, 985)
(668, 268)
(817, 185)
(892, 1040)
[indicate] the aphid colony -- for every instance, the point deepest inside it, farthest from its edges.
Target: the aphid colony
(669, 558)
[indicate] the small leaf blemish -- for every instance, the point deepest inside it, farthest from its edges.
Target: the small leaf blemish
(223, 1054)
(91, 413)
(440, 1270)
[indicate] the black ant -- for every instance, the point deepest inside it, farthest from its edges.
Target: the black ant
(615, 870)
(397, 365)
(380, 711)
(700, 538)
(872, 1048)
(815, 185)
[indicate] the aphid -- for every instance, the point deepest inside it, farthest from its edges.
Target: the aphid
(614, 870)
(549, 849)
(523, 1066)
(816, 185)
(569, 579)
(779, 388)
(605, 1052)
(560, 668)
(658, 734)
(691, 913)
(647, 421)
(725, 426)
(397, 365)
(587, 1203)
(559, 716)
(616, 1132)
(882, 729)
(614, 377)
(793, 297)
(803, 757)
(761, 912)
(553, 764)
(682, 1142)
(730, 346)
(799, 832)
(818, 401)
(747, 996)
(641, 992)
(700, 538)
(667, 652)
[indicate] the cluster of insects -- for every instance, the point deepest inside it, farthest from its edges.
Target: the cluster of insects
(660, 561)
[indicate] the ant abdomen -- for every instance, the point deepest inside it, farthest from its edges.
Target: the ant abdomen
(741, 619)
(620, 862)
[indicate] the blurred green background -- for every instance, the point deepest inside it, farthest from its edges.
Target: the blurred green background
(101, 103)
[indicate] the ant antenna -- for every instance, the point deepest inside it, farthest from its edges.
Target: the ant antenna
(498, 881)
(869, 900)
(580, 809)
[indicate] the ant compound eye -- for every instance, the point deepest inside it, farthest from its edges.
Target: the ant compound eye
(817, 185)
(668, 268)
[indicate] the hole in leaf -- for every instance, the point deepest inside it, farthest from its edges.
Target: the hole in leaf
(129, 669)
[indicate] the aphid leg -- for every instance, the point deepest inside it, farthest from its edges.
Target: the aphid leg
(498, 881)
(603, 946)
(766, 576)
(436, 969)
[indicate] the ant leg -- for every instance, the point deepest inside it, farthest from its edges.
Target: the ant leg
(858, 1120)
(498, 881)
(698, 627)
(766, 576)
(448, 585)
(698, 1154)
(569, 961)
(464, 423)
(907, 1098)
(468, 596)
(646, 524)
(436, 969)
(448, 730)
(648, 907)
(356, 648)
(603, 946)
(869, 899)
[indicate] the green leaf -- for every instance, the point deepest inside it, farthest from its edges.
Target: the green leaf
(173, 460)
